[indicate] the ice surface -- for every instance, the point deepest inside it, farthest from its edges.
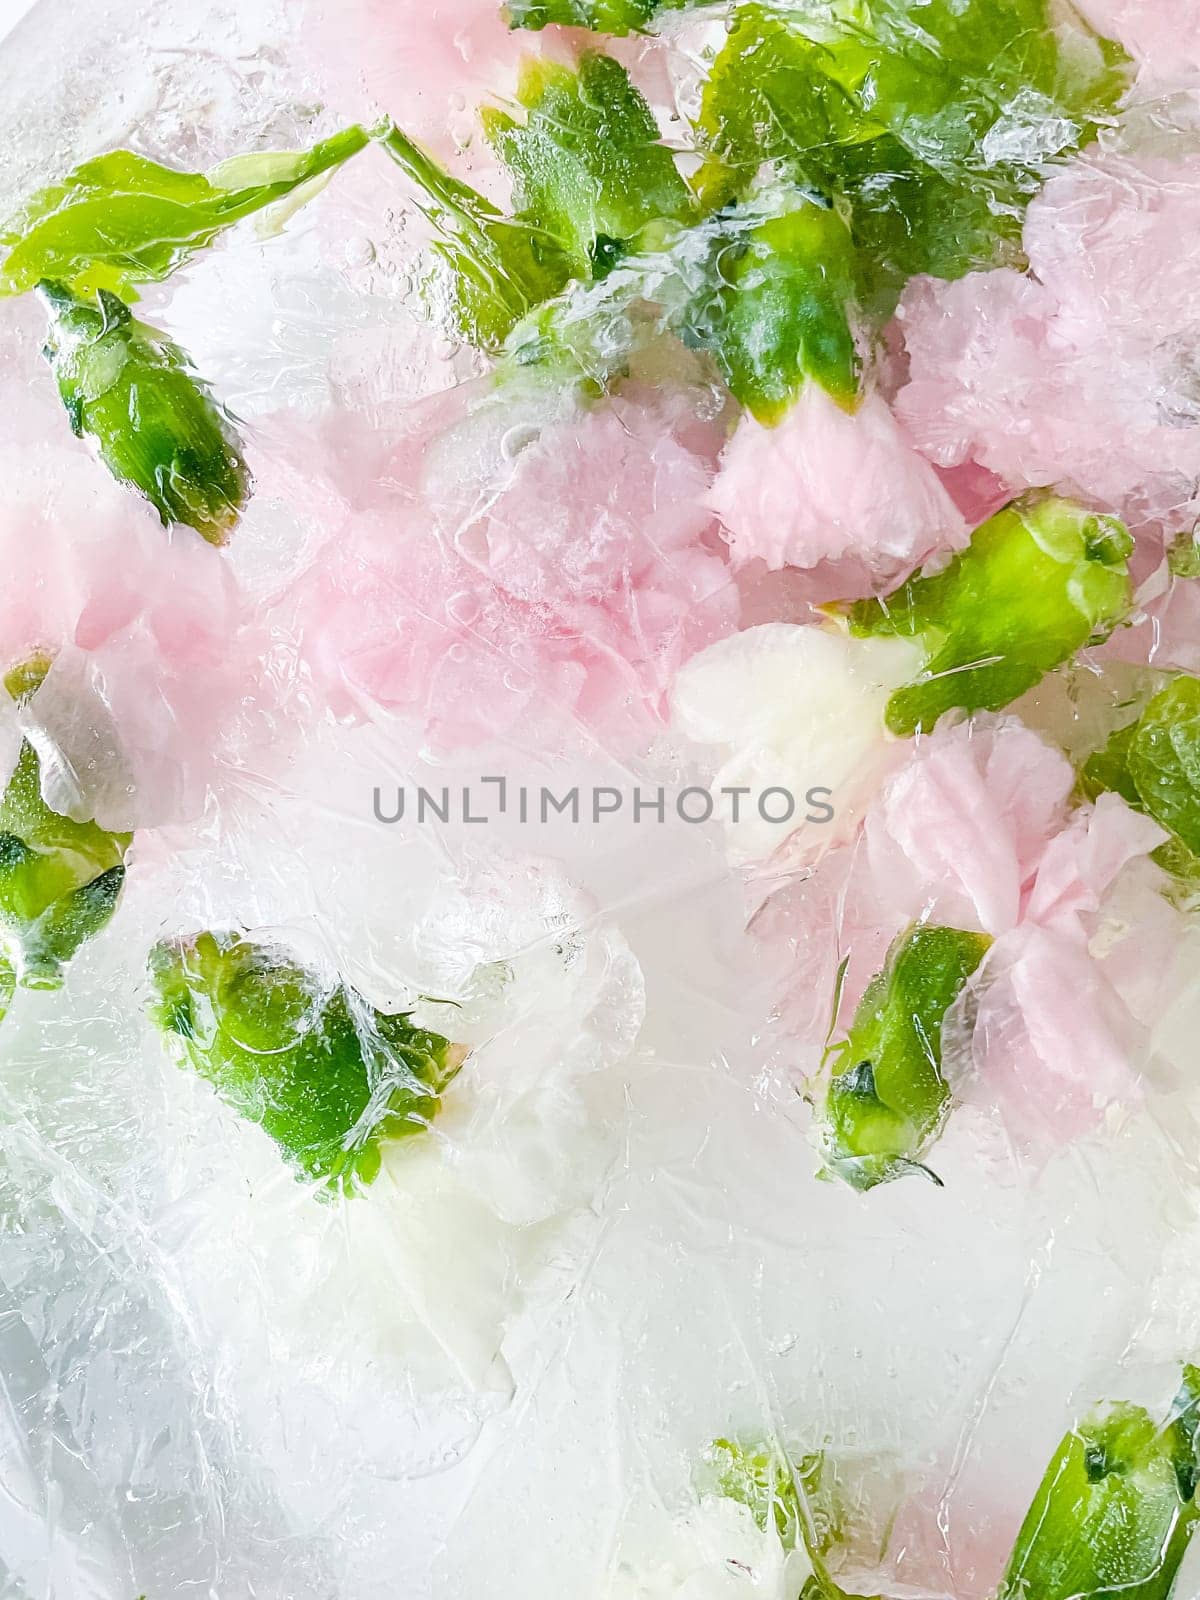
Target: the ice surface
(501, 1369)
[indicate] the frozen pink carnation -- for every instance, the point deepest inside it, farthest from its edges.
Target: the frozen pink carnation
(144, 625)
(1053, 1040)
(560, 566)
(842, 495)
(975, 831)
(954, 836)
(1080, 375)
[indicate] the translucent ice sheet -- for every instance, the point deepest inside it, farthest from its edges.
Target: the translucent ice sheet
(502, 1362)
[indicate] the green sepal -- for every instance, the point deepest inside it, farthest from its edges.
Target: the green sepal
(1115, 1509)
(326, 1076)
(883, 1098)
(59, 879)
(133, 393)
(1040, 580)
(776, 311)
(588, 167)
(121, 219)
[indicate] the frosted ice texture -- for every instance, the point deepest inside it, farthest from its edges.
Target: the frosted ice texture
(499, 1370)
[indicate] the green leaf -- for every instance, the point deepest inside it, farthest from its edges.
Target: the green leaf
(884, 1097)
(1115, 1510)
(931, 119)
(908, 218)
(326, 1076)
(600, 16)
(769, 99)
(499, 268)
(59, 879)
(1154, 765)
(120, 220)
(133, 393)
(1039, 580)
(587, 163)
(1163, 759)
(776, 310)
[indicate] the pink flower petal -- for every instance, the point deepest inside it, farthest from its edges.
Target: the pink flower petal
(960, 829)
(829, 487)
(1080, 375)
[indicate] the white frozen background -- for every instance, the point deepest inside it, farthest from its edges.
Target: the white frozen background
(497, 1373)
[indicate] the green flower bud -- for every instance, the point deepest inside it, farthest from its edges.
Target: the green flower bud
(154, 424)
(884, 1099)
(1039, 580)
(325, 1075)
(1116, 1508)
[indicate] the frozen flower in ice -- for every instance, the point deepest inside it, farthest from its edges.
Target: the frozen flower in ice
(550, 564)
(1053, 1040)
(327, 1077)
(883, 1097)
(841, 492)
(718, 1552)
(1082, 374)
(974, 832)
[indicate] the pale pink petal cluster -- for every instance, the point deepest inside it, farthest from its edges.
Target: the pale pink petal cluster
(547, 566)
(842, 495)
(1081, 374)
(976, 831)
(959, 831)
(1053, 1040)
